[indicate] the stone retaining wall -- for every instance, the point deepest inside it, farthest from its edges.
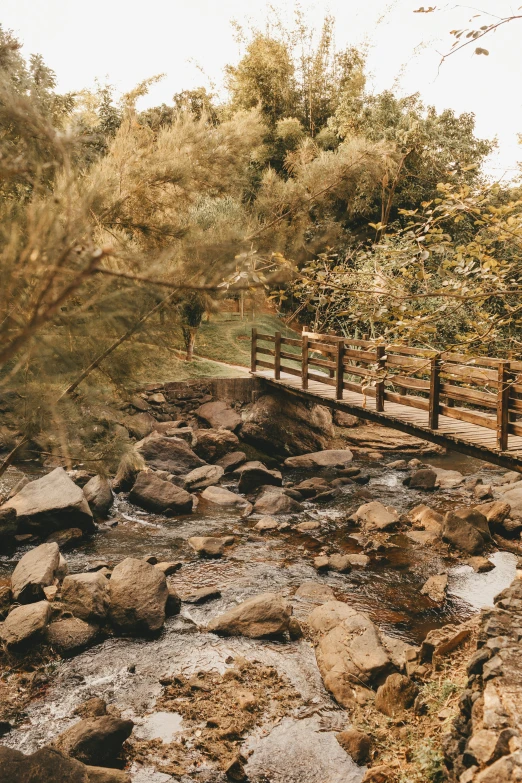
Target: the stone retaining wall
(485, 745)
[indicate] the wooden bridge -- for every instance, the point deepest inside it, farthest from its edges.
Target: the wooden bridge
(465, 403)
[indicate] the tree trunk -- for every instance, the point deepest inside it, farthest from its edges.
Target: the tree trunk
(190, 341)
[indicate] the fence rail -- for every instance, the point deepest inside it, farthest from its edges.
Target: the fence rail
(483, 391)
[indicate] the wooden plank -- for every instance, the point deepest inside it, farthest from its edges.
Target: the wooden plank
(304, 362)
(321, 362)
(379, 386)
(403, 399)
(323, 338)
(515, 405)
(406, 382)
(277, 360)
(474, 361)
(265, 364)
(359, 343)
(269, 338)
(253, 351)
(434, 399)
(266, 351)
(291, 341)
(354, 369)
(321, 379)
(339, 371)
(322, 347)
(407, 361)
(407, 351)
(366, 391)
(361, 356)
(477, 374)
(291, 371)
(503, 406)
(295, 356)
(469, 395)
(464, 415)
(514, 429)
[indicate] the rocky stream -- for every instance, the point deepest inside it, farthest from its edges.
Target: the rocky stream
(219, 611)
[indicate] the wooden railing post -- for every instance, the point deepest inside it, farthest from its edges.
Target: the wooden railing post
(253, 351)
(277, 356)
(339, 370)
(304, 362)
(433, 415)
(380, 352)
(503, 406)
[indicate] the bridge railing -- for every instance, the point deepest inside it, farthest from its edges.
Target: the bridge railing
(478, 390)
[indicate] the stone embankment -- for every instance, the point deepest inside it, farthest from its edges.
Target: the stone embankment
(485, 743)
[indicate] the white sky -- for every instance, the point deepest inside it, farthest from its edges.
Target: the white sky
(125, 41)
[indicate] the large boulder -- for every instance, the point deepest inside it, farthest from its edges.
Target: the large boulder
(375, 517)
(231, 461)
(259, 617)
(495, 512)
(272, 501)
(447, 479)
(349, 650)
(86, 596)
(202, 477)
(171, 454)
(512, 494)
(219, 415)
(25, 623)
(282, 426)
(99, 496)
(138, 595)
(466, 529)
(328, 458)
(95, 740)
(214, 445)
(425, 478)
(50, 765)
(34, 571)
(67, 538)
(253, 477)
(220, 496)
(51, 503)
(161, 497)
(71, 636)
(8, 526)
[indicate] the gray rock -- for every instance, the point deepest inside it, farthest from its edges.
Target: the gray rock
(86, 595)
(25, 623)
(375, 516)
(99, 496)
(66, 539)
(210, 546)
(259, 617)
(466, 529)
(253, 477)
(329, 458)
(200, 478)
(231, 461)
(71, 636)
(138, 595)
(8, 525)
(51, 503)
(425, 478)
(220, 496)
(219, 415)
(266, 523)
(272, 502)
(171, 454)
(34, 571)
(161, 497)
(95, 740)
(214, 445)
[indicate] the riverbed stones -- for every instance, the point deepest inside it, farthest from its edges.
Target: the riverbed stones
(311, 487)
(382, 773)
(25, 623)
(395, 695)
(481, 564)
(349, 651)
(329, 458)
(200, 478)
(495, 512)
(51, 503)
(213, 445)
(273, 502)
(99, 497)
(171, 454)
(66, 539)
(6, 598)
(466, 529)
(210, 546)
(375, 516)
(231, 461)
(425, 479)
(71, 636)
(251, 478)
(34, 571)
(159, 496)
(441, 641)
(447, 479)
(138, 595)
(266, 524)
(95, 740)
(49, 765)
(219, 415)
(219, 496)
(339, 563)
(262, 616)
(426, 518)
(357, 744)
(86, 595)
(317, 592)
(8, 525)
(435, 588)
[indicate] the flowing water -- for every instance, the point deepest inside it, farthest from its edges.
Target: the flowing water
(301, 747)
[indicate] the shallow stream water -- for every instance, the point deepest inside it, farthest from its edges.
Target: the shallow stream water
(301, 747)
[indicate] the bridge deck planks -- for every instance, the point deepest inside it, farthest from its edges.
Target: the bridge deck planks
(456, 432)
